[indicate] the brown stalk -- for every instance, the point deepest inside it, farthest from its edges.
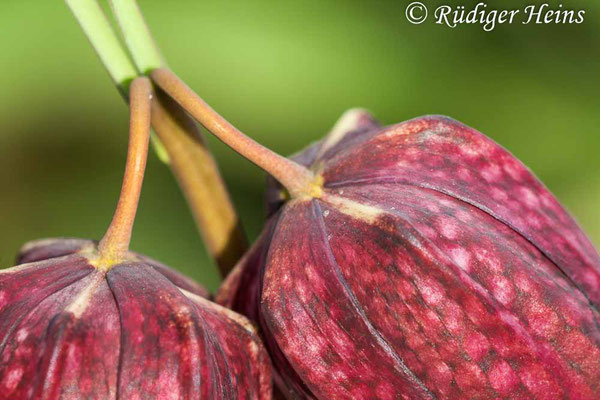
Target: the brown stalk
(298, 180)
(115, 242)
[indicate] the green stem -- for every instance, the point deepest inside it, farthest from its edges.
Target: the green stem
(99, 32)
(96, 27)
(138, 38)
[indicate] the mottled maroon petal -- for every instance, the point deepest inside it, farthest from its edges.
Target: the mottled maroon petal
(44, 249)
(251, 372)
(289, 384)
(454, 284)
(241, 289)
(354, 127)
(317, 322)
(241, 292)
(50, 248)
(171, 347)
(23, 287)
(164, 351)
(42, 350)
(447, 156)
(180, 280)
(81, 346)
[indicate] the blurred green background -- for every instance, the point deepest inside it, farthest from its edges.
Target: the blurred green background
(282, 72)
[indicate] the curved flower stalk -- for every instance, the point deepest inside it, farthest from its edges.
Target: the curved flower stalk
(178, 140)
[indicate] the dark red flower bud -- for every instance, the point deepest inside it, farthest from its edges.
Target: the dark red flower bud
(86, 321)
(426, 262)
(70, 329)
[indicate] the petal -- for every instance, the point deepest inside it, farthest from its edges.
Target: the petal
(81, 346)
(61, 337)
(240, 291)
(447, 156)
(247, 359)
(43, 249)
(177, 278)
(463, 292)
(169, 347)
(353, 127)
(24, 286)
(317, 322)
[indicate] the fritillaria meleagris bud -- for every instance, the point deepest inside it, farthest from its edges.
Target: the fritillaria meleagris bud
(80, 320)
(137, 330)
(416, 261)
(428, 262)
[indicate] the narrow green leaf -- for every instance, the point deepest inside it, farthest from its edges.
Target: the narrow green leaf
(96, 27)
(138, 39)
